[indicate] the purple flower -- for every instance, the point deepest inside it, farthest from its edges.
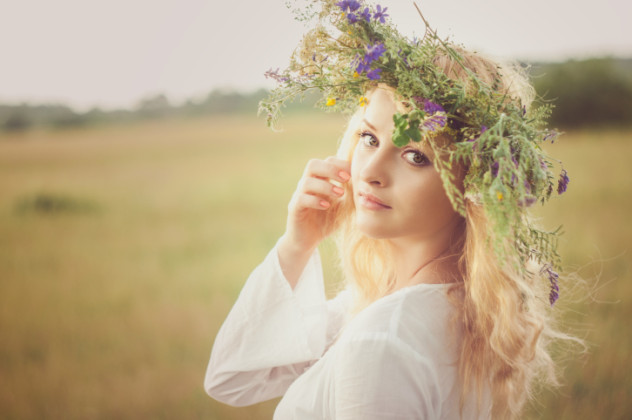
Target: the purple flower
(435, 122)
(431, 107)
(494, 168)
(274, 74)
(403, 57)
(529, 199)
(366, 15)
(437, 119)
(562, 183)
(380, 14)
(351, 5)
(374, 74)
(551, 135)
(271, 74)
(373, 52)
(352, 18)
(515, 162)
(483, 129)
(361, 65)
(554, 294)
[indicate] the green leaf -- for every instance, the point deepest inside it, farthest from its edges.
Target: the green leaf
(400, 138)
(414, 133)
(401, 121)
(417, 114)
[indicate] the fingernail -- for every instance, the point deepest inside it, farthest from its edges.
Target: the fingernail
(338, 190)
(344, 175)
(324, 203)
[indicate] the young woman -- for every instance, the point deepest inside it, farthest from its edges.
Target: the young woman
(445, 314)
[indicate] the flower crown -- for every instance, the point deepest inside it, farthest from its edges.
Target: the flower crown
(353, 47)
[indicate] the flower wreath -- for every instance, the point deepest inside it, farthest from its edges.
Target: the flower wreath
(353, 46)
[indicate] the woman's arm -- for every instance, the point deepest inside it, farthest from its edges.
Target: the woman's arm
(308, 221)
(281, 321)
(273, 333)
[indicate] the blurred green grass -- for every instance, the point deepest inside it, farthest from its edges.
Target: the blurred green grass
(110, 297)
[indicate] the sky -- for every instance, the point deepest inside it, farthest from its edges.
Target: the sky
(113, 53)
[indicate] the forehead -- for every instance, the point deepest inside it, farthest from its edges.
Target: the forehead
(379, 112)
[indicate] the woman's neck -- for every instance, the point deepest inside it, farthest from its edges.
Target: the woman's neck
(432, 260)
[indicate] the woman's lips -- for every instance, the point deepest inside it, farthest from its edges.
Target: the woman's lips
(371, 202)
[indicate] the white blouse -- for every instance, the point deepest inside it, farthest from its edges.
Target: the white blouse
(396, 359)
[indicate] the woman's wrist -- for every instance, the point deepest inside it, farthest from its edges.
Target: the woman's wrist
(293, 257)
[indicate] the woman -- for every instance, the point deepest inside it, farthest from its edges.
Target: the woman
(445, 313)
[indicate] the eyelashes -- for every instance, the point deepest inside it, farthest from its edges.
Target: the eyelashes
(368, 139)
(416, 158)
(411, 155)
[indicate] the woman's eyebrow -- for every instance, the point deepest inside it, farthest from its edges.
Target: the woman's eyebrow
(371, 126)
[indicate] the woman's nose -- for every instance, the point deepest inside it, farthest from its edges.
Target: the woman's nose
(375, 170)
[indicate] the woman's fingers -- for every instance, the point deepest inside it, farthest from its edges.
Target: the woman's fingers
(308, 201)
(320, 187)
(330, 168)
(316, 193)
(320, 184)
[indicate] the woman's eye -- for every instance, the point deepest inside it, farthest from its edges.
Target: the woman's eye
(369, 140)
(416, 158)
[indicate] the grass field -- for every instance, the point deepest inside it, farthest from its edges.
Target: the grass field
(122, 248)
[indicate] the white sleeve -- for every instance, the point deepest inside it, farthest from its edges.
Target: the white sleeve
(378, 376)
(272, 334)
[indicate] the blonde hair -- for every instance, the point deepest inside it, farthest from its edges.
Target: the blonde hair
(502, 313)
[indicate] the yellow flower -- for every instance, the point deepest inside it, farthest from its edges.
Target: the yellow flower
(499, 195)
(356, 74)
(331, 101)
(363, 100)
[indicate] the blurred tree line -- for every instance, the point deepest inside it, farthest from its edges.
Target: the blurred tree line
(24, 116)
(593, 92)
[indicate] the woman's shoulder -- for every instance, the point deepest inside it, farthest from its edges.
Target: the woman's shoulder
(418, 317)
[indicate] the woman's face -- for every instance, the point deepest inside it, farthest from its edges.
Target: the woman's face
(398, 193)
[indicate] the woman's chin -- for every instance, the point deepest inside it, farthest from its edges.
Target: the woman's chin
(372, 228)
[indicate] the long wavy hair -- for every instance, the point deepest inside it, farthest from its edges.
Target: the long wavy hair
(503, 315)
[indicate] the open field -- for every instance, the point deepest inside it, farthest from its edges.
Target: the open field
(123, 247)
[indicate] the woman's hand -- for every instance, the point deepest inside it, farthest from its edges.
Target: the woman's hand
(308, 222)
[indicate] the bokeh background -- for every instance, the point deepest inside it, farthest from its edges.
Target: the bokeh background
(138, 189)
